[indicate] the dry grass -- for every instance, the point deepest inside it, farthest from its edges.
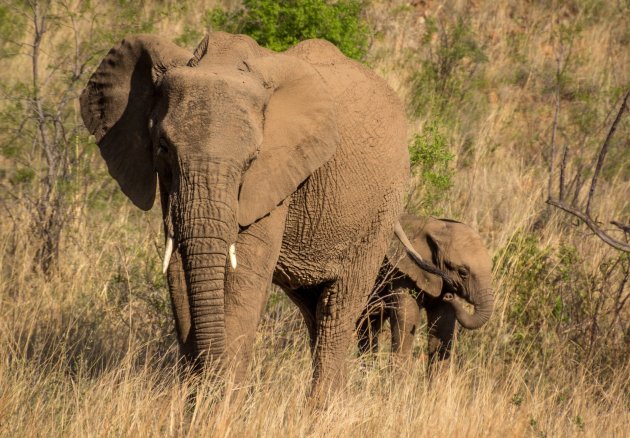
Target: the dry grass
(74, 364)
(90, 351)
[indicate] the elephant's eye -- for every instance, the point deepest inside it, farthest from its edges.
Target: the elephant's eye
(463, 272)
(249, 162)
(162, 147)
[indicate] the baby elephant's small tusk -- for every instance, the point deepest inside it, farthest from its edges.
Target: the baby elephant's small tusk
(233, 255)
(167, 254)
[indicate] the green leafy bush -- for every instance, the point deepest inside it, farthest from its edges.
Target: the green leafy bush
(12, 27)
(430, 159)
(280, 25)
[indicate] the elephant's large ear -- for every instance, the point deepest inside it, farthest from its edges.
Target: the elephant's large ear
(116, 105)
(423, 242)
(299, 134)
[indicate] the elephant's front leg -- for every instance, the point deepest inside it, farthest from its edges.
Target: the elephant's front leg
(441, 326)
(246, 286)
(404, 321)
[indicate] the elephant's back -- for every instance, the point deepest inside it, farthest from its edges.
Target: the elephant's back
(358, 194)
(371, 117)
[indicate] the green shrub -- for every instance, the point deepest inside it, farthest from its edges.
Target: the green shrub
(280, 25)
(430, 159)
(12, 28)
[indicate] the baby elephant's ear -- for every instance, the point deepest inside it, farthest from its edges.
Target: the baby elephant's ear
(116, 104)
(415, 228)
(398, 257)
(299, 134)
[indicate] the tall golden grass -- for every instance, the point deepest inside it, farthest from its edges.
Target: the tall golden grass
(78, 361)
(90, 350)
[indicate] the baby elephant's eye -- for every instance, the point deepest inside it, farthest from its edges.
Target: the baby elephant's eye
(463, 272)
(162, 147)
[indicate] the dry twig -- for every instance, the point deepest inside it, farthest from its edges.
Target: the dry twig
(585, 215)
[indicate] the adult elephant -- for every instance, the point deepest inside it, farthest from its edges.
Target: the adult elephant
(404, 287)
(286, 166)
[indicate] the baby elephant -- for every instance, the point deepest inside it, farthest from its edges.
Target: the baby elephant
(403, 287)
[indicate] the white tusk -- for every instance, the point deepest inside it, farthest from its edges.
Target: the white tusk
(167, 254)
(233, 255)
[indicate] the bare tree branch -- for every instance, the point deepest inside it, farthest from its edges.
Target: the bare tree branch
(554, 127)
(592, 225)
(585, 216)
(563, 167)
(46, 122)
(603, 151)
(624, 228)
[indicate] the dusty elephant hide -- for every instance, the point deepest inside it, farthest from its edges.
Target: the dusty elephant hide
(286, 166)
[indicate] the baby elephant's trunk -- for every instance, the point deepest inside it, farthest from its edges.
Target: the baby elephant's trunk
(483, 303)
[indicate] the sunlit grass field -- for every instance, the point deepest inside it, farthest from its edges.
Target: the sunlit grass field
(89, 353)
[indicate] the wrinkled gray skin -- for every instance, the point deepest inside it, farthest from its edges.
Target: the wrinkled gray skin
(298, 159)
(403, 288)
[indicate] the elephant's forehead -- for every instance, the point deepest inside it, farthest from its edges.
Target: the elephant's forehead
(468, 246)
(202, 102)
(188, 88)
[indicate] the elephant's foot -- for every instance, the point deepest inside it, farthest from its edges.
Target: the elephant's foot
(327, 385)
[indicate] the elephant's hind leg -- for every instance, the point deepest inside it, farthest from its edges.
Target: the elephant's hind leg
(246, 286)
(338, 308)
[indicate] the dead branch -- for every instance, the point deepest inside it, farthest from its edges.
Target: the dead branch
(617, 244)
(585, 215)
(603, 151)
(624, 228)
(554, 127)
(48, 123)
(563, 166)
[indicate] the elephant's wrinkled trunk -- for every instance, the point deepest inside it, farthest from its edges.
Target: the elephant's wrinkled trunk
(483, 304)
(206, 227)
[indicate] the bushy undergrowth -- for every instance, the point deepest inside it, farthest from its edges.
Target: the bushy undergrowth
(562, 305)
